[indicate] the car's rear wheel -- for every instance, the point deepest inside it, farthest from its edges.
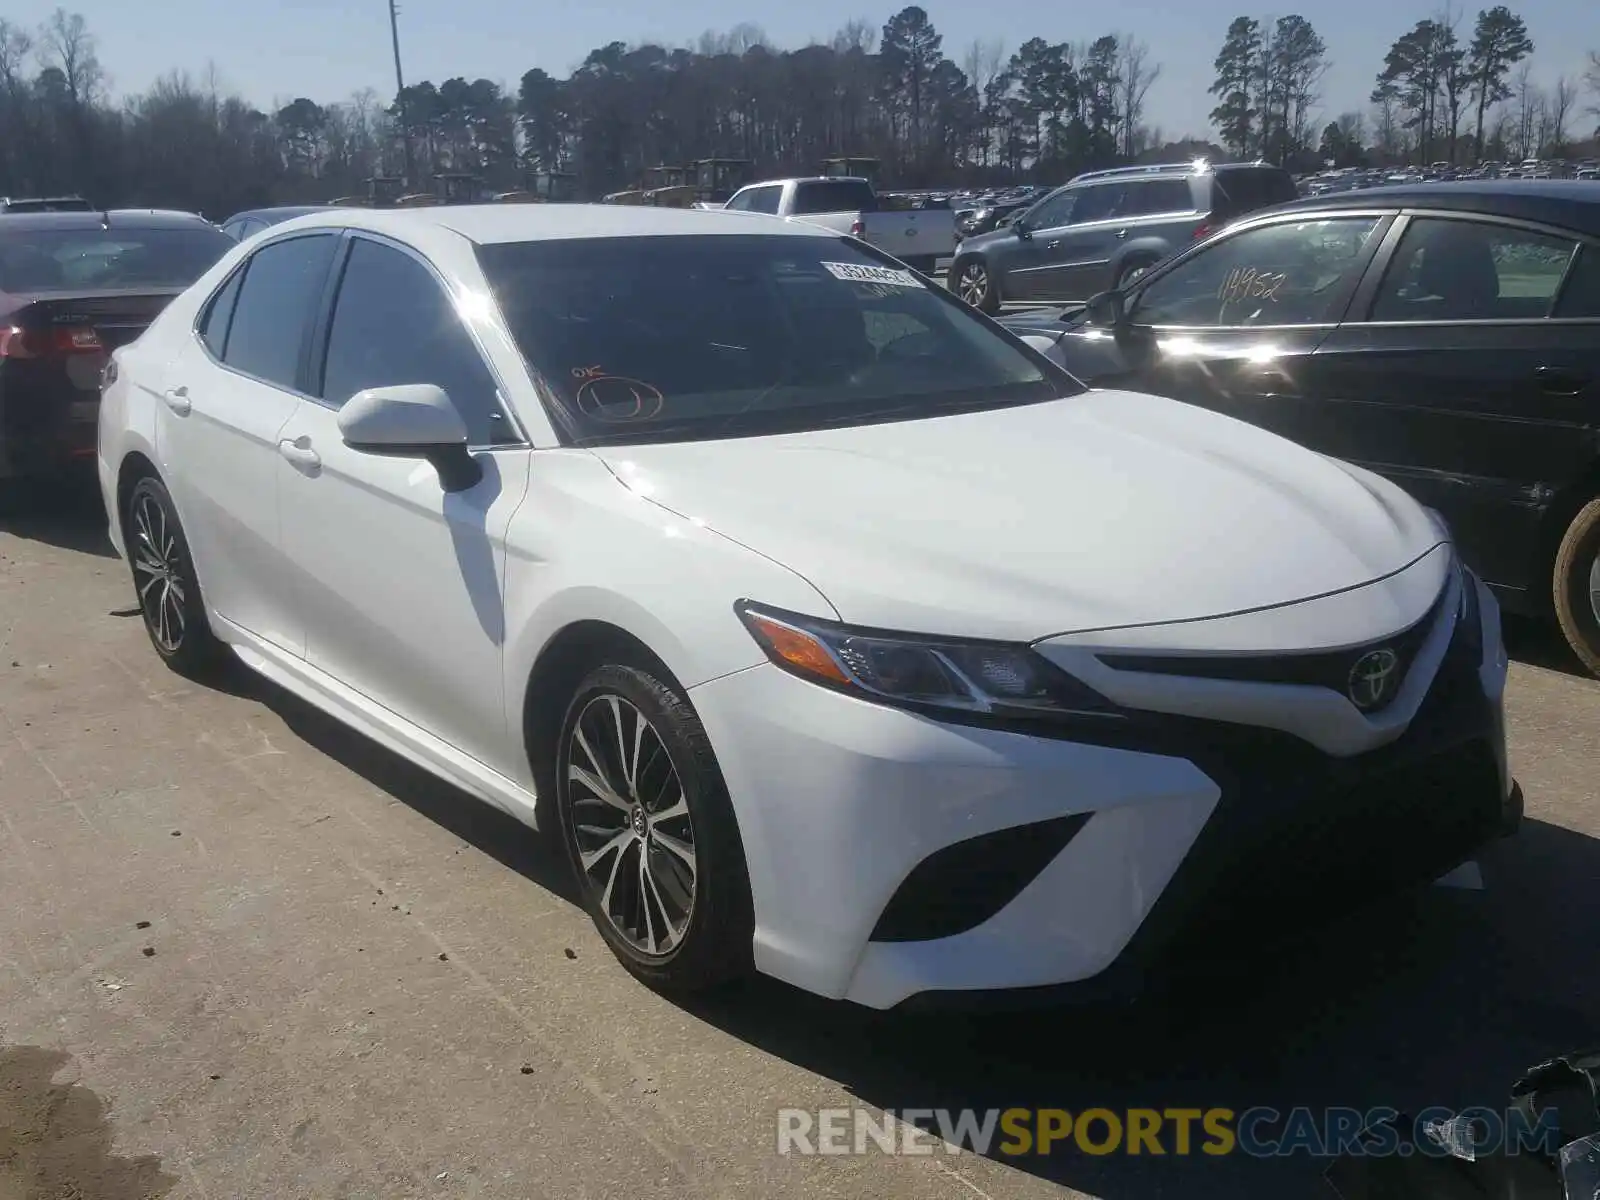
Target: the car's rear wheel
(1576, 585)
(650, 832)
(971, 281)
(165, 583)
(1130, 274)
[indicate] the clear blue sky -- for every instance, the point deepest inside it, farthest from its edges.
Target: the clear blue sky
(327, 49)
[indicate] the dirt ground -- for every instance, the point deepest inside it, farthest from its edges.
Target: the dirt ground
(245, 954)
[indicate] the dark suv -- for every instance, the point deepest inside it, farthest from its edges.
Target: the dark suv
(1105, 228)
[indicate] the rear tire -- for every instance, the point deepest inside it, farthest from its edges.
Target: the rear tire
(971, 281)
(1575, 583)
(650, 832)
(165, 584)
(1130, 274)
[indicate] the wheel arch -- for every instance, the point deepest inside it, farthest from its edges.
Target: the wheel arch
(135, 465)
(571, 653)
(1558, 518)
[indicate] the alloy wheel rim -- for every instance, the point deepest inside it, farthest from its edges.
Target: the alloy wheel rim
(1594, 586)
(974, 282)
(157, 574)
(630, 819)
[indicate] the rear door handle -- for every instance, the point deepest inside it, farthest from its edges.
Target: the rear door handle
(178, 400)
(1559, 382)
(1121, 233)
(1055, 245)
(300, 456)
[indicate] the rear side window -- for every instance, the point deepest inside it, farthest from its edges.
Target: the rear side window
(1447, 270)
(282, 288)
(833, 195)
(219, 312)
(1235, 193)
(1158, 196)
(1099, 202)
(1580, 295)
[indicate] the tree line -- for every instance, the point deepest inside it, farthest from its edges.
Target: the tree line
(1040, 113)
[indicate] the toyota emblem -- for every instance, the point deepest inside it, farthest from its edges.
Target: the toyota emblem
(1372, 680)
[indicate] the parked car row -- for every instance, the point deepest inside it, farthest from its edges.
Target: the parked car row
(835, 632)
(1446, 336)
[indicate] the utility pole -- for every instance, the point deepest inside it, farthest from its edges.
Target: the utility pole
(400, 93)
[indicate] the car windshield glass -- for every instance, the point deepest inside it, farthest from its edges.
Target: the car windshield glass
(732, 335)
(97, 259)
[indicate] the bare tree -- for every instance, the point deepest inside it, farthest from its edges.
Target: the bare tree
(15, 47)
(1559, 108)
(1528, 108)
(1137, 74)
(67, 44)
(1591, 80)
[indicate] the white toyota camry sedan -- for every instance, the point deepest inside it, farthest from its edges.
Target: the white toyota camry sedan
(836, 633)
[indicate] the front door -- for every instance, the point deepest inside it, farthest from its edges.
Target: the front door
(1076, 258)
(401, 583)
(1473, 381)
(1234, 326)
(224, 401)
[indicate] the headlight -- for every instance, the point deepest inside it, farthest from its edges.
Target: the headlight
(996, 679)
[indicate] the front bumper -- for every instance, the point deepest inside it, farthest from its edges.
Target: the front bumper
(893, 856)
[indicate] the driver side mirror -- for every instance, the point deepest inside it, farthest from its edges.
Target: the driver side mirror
(413, 420)
(1107, 310)
(1019, 226)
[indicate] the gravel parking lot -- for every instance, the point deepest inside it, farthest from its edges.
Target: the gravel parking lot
(248, 954)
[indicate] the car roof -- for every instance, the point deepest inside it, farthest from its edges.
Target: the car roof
(116, 218)
(488, 224)
(282, 211)
(1572, 203)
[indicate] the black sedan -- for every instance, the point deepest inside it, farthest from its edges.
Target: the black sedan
(1444, 335)
(73, 287)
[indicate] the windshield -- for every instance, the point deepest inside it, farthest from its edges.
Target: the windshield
(697, 337)
(98, 259)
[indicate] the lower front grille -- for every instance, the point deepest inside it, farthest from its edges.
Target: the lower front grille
(961, 886)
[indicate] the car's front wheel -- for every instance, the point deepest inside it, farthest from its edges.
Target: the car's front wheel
(1576, 585)
(972, 282)
(165, 582)
(650, 832)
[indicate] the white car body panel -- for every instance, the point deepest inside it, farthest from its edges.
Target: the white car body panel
(1109, 522)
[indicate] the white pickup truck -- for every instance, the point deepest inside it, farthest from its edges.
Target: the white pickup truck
(918, 237)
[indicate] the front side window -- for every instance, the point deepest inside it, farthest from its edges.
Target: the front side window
(282, 288)
(1286, 274)
(108, 259)
(765, 199)
(393, 324)
(685, 338)
(1447, 270)
(1053, 211)
(1580, 296)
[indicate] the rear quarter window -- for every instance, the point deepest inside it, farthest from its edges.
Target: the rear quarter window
(1235, 193)
(829, 196)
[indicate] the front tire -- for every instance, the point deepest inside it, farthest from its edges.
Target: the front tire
(1575, 583)
(971, 281)
(165, 582)
(650, 832)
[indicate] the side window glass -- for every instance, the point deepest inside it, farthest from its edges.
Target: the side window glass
(393, 324)
(739, 203)
(1053, 211)
(1581, 295)
(219, 312)
(1154, 196)
(1448, 270)
(1100, 202)
(1286, 274)
(765, 199)
(282, 288)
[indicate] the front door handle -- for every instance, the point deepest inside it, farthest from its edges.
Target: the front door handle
(1559, 382)
(1055, 245)
(301, 455)
(1121, 233)
(177, 399)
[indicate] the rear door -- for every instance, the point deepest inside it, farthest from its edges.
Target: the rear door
(225, 399)
(1472, 378)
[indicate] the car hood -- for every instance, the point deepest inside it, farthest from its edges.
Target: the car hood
(1099, 511)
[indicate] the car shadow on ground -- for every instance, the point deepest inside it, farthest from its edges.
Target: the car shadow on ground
(68, 516)
(1537, 643)
(1438, 999)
